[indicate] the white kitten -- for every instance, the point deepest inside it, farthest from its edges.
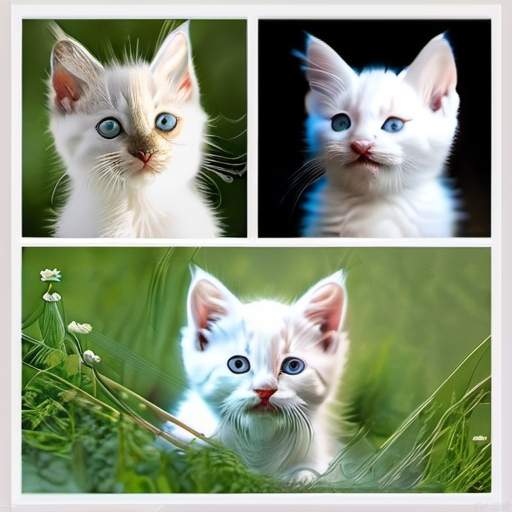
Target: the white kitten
(262, 375)
(383, 140)
(131, 139)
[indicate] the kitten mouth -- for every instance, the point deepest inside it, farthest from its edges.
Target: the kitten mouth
(146, 169)
(366, 162)
(263, 407)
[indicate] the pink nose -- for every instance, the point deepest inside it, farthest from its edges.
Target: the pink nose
(265, 394)
(144, 156)
(361, 147)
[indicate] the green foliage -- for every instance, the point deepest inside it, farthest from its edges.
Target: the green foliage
(51, 325)
(85, 430)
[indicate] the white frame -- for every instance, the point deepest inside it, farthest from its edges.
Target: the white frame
(252, 13)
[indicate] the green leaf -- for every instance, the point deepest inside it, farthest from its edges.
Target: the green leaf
(52, 326)
(68, 395)
(54, 358)
(72, 365)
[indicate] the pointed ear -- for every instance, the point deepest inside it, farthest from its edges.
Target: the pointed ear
(433, 73)
(327, 73)
(74, 71)
(324, 305)
(208, 301)
(173, 63)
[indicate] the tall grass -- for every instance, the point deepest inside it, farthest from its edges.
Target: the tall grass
(91, 427)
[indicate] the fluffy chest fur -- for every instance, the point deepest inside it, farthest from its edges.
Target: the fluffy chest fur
(153, 212)
(263, 375)
(425, 211)
(272, 445)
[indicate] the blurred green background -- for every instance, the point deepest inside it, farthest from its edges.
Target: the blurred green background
(413, 313)
(219, 51)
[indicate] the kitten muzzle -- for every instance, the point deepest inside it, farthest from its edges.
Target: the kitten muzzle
(264, 396)
(362, 147)
(367, 163)
(143, 156)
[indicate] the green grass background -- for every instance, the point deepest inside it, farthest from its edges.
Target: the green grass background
(219, 50)
(413, 313)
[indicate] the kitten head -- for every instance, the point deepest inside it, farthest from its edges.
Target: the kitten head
(127, 123)
(378, 131)
(265, 366)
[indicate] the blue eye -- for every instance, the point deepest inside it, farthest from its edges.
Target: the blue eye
(166, 122)
(109, 128)
(340, 122)
(393, 124)
(239, 364)
(292, 366)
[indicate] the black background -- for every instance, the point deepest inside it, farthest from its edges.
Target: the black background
(362, 43)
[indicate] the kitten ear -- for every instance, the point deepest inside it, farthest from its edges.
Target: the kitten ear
(433, 73)
(327, 73)
(73, 71)
(208, 300)
(324, 305)
(173, 63)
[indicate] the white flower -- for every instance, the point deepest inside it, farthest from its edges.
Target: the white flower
(77, 328)
(91, 358)
(50, 275)
(51, 297)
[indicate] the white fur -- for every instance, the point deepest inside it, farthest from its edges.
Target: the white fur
(404, 195)
(297, 440)
(110, 195)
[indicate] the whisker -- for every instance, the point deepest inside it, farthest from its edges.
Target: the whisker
(228, 158)
(55, 187)
(301, 182)
(206, 189)
(228, 139)
(229, 119)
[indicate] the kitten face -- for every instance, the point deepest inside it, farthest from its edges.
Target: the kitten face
(127, 123)
(265, 365)
(378, 131)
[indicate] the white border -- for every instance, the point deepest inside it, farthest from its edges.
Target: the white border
(252, 13)
(260, 242)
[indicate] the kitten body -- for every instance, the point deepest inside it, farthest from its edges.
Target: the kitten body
(138, 181)
(277, 421)
(384, 161)
(424, 211)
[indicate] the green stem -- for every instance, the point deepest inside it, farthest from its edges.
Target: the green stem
(159, 413)
(137, 418)
(76, 388)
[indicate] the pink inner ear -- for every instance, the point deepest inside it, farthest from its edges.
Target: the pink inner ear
(202, 317)
(202, 313)
(325, 309)
(186, 83)
(206, 307)
(446, 82)
(436, 102)
(66, 87)
(437, 95)
(185, 86)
